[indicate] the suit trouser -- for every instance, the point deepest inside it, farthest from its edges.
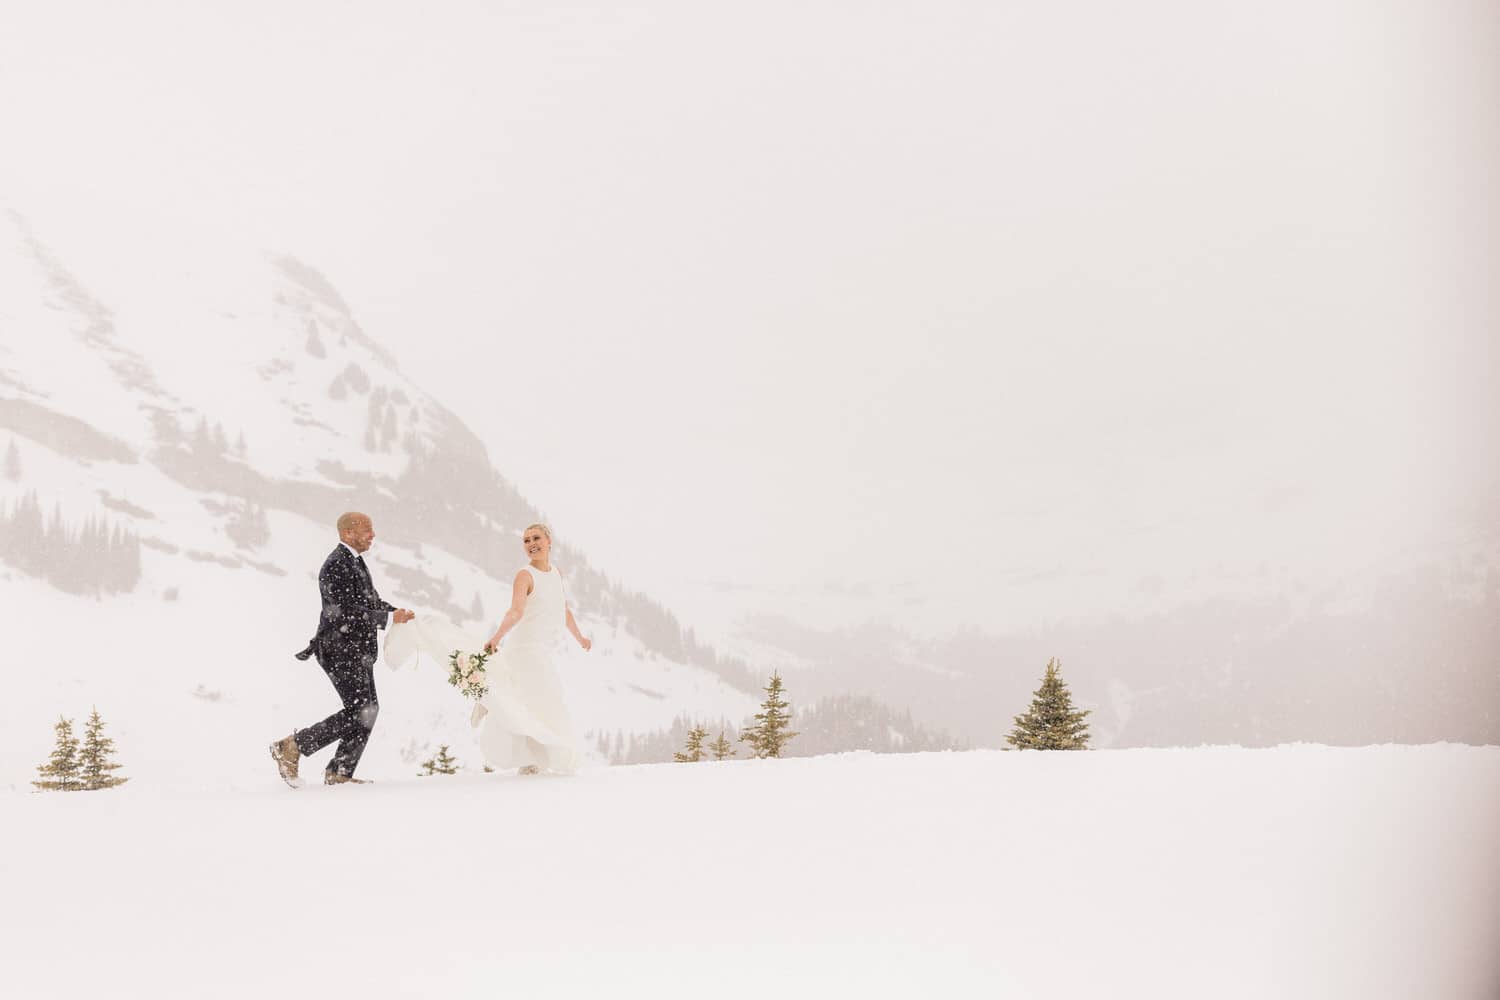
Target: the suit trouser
(353, 675)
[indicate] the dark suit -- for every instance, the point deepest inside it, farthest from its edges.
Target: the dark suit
(346, 647)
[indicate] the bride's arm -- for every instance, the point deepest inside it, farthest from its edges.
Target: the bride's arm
(518, 594)
(586, 643)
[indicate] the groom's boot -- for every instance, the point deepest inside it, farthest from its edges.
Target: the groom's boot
(286, 755)
(334, 778)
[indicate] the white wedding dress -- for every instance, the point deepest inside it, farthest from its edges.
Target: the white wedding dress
(523, 718)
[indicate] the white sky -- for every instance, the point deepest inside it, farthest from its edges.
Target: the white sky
(936, 294)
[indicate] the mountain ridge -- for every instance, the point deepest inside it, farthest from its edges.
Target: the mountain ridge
(224, 420)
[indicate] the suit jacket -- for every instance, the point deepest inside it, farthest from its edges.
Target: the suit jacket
(352, 610)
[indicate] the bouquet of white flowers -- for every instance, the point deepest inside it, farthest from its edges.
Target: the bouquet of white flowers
(466, 672)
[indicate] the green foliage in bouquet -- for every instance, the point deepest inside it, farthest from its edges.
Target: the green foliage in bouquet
(466, 672)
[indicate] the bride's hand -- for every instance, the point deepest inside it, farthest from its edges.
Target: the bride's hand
(491, 646)
(586, 643)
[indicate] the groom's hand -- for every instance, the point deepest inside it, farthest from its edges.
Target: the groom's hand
(402, 615)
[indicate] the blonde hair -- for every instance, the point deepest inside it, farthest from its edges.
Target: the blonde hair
(545, 530)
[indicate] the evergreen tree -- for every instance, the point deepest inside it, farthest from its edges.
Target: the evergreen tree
(1051, 723)
(440, 763)
(55, 540)
(373, 441)
(92, 559)
(476, 609)
(768, 734)
(721, 748)
(60, 773)
(94, 763)
(203, 440)
(314, 342)
(12, 462)
(389, 431)
(129, 561)
(248, 525)
(25, 536)
(692, 753)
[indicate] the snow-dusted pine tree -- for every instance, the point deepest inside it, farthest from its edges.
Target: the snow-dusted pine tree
(769, 732)
(440, 763)
(692, 753)
(12, 462)
(721, 747)
(94, 760)
(1051, 723)
(60, 773)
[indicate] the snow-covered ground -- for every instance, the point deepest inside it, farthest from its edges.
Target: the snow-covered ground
(1301, 871)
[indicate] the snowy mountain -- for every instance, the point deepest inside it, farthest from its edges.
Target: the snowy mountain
(181, 420)
(1399, 650)
(179, 427)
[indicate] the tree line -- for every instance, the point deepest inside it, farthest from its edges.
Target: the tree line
(1050, 722)
(94, 557)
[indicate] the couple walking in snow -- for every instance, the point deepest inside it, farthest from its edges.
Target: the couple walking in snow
(522, 718)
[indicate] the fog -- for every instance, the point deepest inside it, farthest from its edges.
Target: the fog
(1029, 312)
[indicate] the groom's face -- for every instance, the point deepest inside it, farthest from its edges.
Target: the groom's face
(359, 536)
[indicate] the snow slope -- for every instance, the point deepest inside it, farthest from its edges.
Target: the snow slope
(1295, 872)
(113, 354)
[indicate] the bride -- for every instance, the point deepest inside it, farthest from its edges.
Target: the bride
(525, 722)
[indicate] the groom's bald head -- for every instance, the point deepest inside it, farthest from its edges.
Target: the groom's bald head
(355, 530)
(352, 519)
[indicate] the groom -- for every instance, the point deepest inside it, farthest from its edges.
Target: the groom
(346, 648)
